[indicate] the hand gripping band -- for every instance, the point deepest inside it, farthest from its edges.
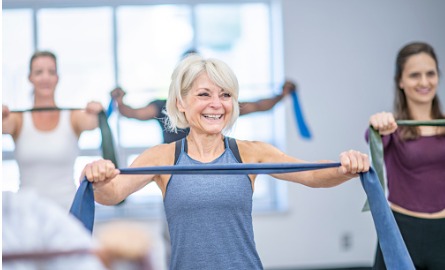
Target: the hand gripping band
(376, 148)
(393, 248)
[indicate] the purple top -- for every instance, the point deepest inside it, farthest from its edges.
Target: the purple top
(416, 172)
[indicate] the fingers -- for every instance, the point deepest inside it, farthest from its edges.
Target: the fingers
(94, 107)
(353, 162)
(117, 93)
(288, 87)
(100, 171)
(384, 122)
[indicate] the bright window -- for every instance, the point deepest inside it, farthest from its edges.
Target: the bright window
(137, 47)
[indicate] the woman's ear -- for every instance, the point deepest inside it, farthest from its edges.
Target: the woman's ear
(180, 106)
(401, 85)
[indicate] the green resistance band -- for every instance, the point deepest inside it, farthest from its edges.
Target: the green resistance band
(107, 145)
(376, 148)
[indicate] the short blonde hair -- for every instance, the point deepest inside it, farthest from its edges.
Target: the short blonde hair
(183, 78)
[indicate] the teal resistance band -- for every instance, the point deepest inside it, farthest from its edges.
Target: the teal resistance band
(376, 148)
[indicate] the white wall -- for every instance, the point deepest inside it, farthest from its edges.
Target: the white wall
(342, 54)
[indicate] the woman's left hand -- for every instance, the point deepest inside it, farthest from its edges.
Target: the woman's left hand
(353, 162)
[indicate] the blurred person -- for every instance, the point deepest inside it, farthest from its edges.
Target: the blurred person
(46, 141)
(125, 245)
(415, 157)
(37, 234)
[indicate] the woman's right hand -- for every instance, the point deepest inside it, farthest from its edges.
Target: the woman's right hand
(100, 172)
(383, 122)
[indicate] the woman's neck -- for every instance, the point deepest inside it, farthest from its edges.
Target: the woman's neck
(44, 102)
(205, 146)
(421, 112)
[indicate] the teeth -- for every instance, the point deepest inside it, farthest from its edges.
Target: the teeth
(213, 116)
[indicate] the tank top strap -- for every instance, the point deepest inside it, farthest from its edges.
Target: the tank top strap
(229, 144)
(226, 142)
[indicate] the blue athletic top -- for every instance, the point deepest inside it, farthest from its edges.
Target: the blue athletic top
(210, 218)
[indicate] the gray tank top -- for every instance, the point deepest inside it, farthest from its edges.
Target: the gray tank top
(210, 218)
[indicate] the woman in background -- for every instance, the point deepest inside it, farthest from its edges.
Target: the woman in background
(415, 157)
(46, 142)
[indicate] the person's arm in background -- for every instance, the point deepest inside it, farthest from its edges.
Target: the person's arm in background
(267, 103)
(9, 122)
(144, 113)
(86, 119)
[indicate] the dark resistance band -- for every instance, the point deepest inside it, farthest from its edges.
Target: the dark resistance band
(394, 251)
(43, 255)
(107, 145)
(376, 148)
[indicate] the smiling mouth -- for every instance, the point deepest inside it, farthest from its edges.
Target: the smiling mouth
(423, 90)
(213, 116)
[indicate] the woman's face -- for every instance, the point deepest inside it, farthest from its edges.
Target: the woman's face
(207, 107)
(419, 79)
(44, 76)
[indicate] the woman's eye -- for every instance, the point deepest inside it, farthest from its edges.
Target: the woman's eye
(431, 74)
(203, 94)
(227, 95)
(414, 75)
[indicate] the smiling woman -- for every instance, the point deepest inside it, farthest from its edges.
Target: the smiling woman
(210, 85)
(46, 141)
(136, 46)
(209, 216)
(414, 157)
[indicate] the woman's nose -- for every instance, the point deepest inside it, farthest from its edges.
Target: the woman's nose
(216, 101)
(424, 80)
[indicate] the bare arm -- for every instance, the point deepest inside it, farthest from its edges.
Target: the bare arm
(10, 122)
(110, 187)
(267, 103)
(145, 113)
(86, 119)
(352, 162)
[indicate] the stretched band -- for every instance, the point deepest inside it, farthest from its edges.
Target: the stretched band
(43, 255)
(393, 248)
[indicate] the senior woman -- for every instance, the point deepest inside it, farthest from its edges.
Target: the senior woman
(209, 216)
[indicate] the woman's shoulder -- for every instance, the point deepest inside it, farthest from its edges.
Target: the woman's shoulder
(250, 144)
(254, 151)
(159, 155)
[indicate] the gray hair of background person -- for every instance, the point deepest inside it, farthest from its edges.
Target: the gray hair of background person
(182, 80)
(401, 109)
